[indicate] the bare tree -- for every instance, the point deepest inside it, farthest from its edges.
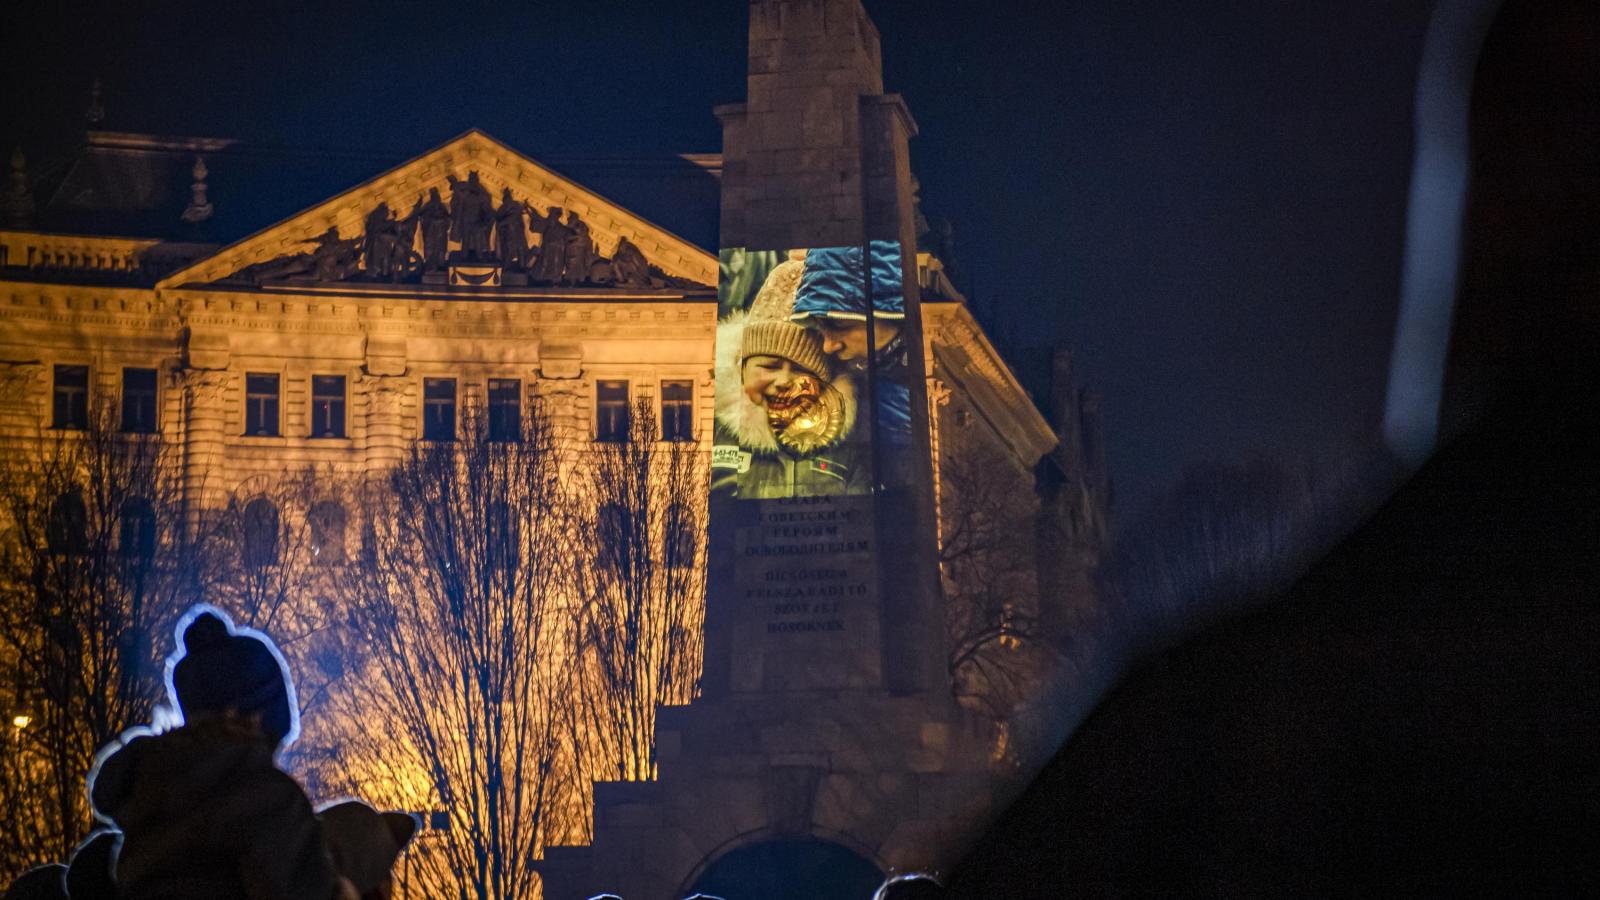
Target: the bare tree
(265, 552)
(95, 559)
(639, 640)
(986, 557)
(275, 551)
(462, 601)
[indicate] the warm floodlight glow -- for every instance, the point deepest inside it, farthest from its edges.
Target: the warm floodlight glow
(21, 721)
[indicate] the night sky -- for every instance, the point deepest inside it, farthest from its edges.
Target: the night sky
(1204, 199)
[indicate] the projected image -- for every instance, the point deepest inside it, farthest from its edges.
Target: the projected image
(796, 413)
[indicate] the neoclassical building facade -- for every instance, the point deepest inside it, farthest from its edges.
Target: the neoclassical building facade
(275, 351)
(267, 311)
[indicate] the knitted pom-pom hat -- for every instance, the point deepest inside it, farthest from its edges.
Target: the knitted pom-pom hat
(769, 332)
(223, 671)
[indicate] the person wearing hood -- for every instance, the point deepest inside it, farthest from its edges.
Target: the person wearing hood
(786, 419)
(914, 886)
(46, 882)
(89, 870)
(833, 297)
(365, 843)
(203, 808)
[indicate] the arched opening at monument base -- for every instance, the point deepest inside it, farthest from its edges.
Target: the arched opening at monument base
(789, 869)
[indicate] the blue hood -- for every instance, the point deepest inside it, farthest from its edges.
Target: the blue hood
(831, 285)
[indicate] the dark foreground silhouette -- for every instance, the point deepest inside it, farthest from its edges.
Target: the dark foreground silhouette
(1417, 717)
(201, 810)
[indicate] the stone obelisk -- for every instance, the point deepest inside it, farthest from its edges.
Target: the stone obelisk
(825, 729)
(817, 157)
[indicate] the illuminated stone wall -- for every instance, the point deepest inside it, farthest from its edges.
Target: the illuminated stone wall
(851, 773)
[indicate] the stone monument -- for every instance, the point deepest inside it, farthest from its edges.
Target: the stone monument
(826, 737)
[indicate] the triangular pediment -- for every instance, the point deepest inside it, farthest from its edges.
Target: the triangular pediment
(497, 167)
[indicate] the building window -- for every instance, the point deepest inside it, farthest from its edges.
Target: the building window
(139, 401)
(327, 406)
(68, 529)
(677, 410)
(71, 398)
(328, 522)
(438, 409)
(505, 409)
(504, 547)
(611, 419)
(138, 532)
(369, 544)
(260, 534)
(617, 532)
(261, 404)
(680, 531)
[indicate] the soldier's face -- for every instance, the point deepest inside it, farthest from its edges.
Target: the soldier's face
(783, 388)
(846, 339)
(843, 338)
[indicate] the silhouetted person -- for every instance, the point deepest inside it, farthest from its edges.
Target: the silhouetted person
(204, 810)
(915, 886)
(365, 843)
(41, 883)
(89, 874)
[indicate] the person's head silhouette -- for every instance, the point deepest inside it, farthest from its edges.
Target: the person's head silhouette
(223, 671)
(89, 873)
(42, 883)
(911, 886)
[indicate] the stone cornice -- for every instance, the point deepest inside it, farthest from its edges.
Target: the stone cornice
(140, 314)
(422, 316)
(127, 309)
(898, 104)
(358, 291)
(978, 369)
(45, 256)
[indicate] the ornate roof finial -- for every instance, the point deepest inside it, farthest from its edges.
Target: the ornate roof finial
(18, 202)
(199, 208)
(95, 113)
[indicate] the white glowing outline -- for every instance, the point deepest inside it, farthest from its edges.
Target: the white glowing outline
(169, 715)
(905, 876)
(187, 619)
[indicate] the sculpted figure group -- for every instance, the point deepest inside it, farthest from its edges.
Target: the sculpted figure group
(397, 248)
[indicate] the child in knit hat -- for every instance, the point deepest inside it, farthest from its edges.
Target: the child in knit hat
(786, 409)
(203, 808)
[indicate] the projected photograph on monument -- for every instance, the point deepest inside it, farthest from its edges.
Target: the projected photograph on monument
(811, 368)
(811, 380)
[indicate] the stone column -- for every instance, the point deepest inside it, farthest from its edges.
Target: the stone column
(204, 432)
(386, 438)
